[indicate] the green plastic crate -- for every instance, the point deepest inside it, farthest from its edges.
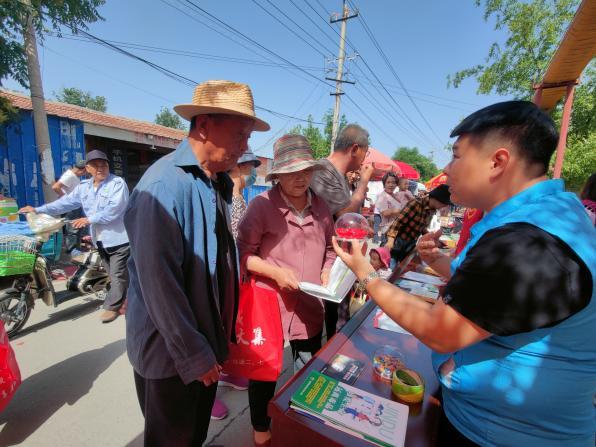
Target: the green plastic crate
(16, 263)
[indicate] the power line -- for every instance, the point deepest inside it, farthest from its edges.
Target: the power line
(185, 53)
(397, 107)
(226, 36)
(173, 75)
(312, 21)
(254, 42)
(298, 26)
(392, 69)
(287, 27)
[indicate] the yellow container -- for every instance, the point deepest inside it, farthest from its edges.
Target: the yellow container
(407, 386)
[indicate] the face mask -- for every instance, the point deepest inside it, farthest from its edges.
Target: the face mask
(251, 178)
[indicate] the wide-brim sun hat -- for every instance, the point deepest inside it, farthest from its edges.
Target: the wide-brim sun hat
(222, 97)
(291, 153)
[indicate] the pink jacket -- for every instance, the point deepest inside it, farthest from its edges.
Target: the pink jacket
(270, 230)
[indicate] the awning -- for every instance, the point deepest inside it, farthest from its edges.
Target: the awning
(576, 50)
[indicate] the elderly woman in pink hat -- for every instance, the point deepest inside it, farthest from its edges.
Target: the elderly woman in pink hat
(285, 238)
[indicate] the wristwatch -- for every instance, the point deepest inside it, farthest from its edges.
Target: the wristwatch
(361, 288)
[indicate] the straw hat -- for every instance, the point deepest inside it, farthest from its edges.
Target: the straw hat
(223, 97)
(291, 153)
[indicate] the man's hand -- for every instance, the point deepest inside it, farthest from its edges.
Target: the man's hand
(27, 209)
(286, 279)
(428, 247)
(366, 172)
(80, 223)
(211, 376)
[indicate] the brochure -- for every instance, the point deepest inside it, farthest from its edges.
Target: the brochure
(426, 291)
(382, 321)
(421, 277)
(343, 368)
(341, 279)
(378, 420)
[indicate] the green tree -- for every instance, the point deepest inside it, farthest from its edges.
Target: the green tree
(52, 14)
(167, 118)
(320, 140)
(423, 164)
(534, 29)
(72, 95)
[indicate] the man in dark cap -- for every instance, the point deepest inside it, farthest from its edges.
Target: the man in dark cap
(413, 221)
(513, 334)
(103, 199)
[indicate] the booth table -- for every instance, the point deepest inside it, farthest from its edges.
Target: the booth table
(359, 339)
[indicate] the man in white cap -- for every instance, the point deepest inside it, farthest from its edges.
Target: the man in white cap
(103, 199)
(183, 294)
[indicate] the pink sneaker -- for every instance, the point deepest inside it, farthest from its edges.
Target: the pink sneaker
(238, 383)
(219, 410)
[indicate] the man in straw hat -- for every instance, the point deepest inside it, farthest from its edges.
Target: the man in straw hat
(183, 271)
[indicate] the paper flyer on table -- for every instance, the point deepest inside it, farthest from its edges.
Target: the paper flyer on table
(421, 277)
(378, 420)
(341, 279)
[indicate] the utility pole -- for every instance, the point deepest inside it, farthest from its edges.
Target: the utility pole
(40, 119)
(340, 68)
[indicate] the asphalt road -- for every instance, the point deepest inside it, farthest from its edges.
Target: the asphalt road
(78, 388)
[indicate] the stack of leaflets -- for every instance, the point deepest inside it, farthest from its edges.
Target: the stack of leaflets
(379, 421)
(341, 279)
(382, 321)
(421, 285)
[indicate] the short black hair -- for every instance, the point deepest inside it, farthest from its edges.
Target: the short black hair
(350, 135)
(386, 177)
(531, 130)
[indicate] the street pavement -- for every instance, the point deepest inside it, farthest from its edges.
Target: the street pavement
(77, 384)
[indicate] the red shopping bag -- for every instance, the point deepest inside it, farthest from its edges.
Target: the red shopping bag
(258, 353)
(10, 376)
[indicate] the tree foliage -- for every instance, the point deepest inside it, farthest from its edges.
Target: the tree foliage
(534, 29)
(167, 118)
(319, 139)
(72, 95)
(423, 164)
(46, 14)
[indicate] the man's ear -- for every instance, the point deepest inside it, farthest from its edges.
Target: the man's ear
(353, 150)
(201, 129)
(500, 161)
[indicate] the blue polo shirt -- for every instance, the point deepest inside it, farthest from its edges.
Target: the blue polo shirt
(531, 382)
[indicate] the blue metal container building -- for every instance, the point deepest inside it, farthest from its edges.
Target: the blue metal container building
(19, 163)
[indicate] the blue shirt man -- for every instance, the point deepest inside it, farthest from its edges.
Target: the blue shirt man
(184, 286)
(103, 199)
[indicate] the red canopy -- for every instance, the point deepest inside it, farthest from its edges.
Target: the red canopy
(407, 171)
(381, 162)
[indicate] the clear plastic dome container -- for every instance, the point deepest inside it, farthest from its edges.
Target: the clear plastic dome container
(351, 226)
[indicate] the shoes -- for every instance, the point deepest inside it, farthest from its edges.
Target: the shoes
(262, 435)
(238, 383)
(108, 316)
(219, 410)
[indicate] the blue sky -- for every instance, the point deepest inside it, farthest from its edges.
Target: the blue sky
(425, 41)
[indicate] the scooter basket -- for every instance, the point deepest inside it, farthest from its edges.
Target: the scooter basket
(17, 255)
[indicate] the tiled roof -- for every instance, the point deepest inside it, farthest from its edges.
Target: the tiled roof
(64, 110)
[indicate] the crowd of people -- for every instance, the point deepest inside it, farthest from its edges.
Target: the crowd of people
(511, 336)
